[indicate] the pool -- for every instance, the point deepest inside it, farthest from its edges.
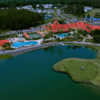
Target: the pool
(63, 35)
(22, 44)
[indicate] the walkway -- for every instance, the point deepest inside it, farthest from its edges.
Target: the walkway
(31, 48)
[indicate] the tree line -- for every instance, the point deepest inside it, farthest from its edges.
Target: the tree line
(96, 36)
(7, 3)
(93, 3)
(19, 19)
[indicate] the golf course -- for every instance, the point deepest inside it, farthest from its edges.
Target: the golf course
(81, 70)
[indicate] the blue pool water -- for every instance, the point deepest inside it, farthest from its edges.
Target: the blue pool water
(26, 43)
(63, 35)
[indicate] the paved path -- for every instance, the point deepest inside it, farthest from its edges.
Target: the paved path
(84, 43)
(34, 29)
(31, 48)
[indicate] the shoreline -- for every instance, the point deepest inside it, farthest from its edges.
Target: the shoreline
(31, 48)
(90, 73)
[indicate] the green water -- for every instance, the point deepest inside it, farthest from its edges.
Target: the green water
(30, 76)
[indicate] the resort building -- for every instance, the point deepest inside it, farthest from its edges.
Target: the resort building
(47, 6)
(93, 15)
(87, 8)
(56, 27)
(27, 7)
(2, 42)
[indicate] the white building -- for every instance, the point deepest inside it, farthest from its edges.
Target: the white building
(27, 7)
(87, 8)
(47, 6)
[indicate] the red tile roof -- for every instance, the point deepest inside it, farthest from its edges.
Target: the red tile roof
(2, 42)
(26, 35)
(65, 27)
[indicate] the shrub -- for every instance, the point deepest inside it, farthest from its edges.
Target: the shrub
(96, 36)
(19, 19)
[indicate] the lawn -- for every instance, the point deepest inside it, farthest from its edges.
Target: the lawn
(81, 70)
(7, 56)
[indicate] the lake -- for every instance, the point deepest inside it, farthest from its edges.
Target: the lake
(30, 76)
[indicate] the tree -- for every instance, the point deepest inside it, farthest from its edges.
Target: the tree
(82, 32)
(75, 8)
(96, 36)
(50, 34)
(19, 19)
(7, 46)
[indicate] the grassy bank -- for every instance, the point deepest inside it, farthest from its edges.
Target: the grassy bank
(81, 70)
(7, 56)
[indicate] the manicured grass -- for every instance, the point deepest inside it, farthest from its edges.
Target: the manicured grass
(81, 70)
(5, 56)
(96, 81)
(3, 31)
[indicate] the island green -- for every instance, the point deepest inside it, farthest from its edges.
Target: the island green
(81, 70)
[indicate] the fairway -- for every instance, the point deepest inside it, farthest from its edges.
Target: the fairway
(81, 70)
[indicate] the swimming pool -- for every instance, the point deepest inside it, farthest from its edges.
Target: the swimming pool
(22, 44)
(63, 35)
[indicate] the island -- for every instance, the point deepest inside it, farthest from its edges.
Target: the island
(81, 70)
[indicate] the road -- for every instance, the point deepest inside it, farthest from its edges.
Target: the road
(33, 29)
